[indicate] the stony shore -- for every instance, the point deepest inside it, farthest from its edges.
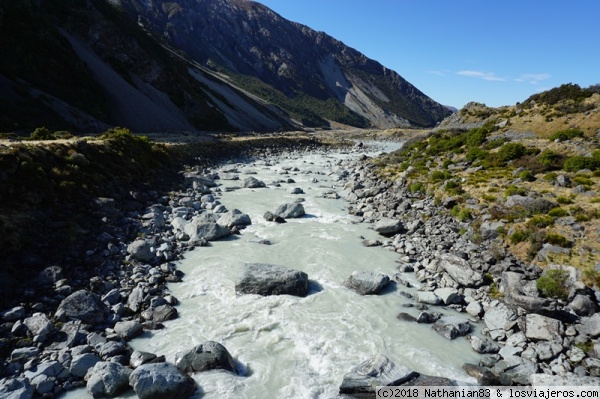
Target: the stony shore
(75, 334)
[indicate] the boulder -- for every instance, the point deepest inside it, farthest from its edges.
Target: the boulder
(82, 305)
(591, 326)
(140, 250)
(13, 314)
(138, 358)
(266, 279)
(448, 295)
(376, 371)
(296, 190)
(81, 364)
(128, 329)
(367, 283)
(545, 380)
(532, 205)
(207, 356)
(107, 380)
(39, 325)
(583, 305)
(160, 313)
(459, 270)
(388, 227)
(290, 210)
(16, 388)
(234, 217)
(482, 374)
(490, 230)
(161, 381)
(538, 327)
(499, 319)
(253, 182)
(429, 298)
(451, 327)
(482, 345)
(50, 275)
(474, 309)
(198, 228)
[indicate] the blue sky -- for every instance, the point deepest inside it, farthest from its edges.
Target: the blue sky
(497, 52)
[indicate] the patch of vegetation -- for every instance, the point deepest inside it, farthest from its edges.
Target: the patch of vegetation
(515, 190)
(558, 240)
(551, 160)
(554, 284)
(526, 175)
(520, 236)
(564, 92)
(461, 214)
(557, 212)
(577, 163)
(561, 199)
(567, 134)
(541, 221)
(417, 187)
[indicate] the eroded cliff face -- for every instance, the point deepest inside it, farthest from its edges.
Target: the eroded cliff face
(246, 38)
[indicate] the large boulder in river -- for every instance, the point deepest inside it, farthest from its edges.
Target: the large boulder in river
(367, 283)
(388, 227)
(207, 356)
(161, 381)
(198, 228)
(376, 371)
(107, 380)
(234, 217)
(253, 182)
(460, 270)
(451, 327)
(82, 305)
(265, 279)
(290, 210)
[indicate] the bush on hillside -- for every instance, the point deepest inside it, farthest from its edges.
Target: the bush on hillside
(554, 284)
(577, 163)
(567, 134)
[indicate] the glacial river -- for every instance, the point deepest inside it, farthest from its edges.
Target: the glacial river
(290, 347)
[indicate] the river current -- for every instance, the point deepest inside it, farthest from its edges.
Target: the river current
(290, 347)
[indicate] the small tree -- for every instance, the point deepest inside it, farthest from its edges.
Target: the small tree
(554, 284)
(41, 133)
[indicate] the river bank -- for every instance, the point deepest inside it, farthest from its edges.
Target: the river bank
(448, 266)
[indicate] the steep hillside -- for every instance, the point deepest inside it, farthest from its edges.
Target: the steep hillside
(83, 66)
(308, 73)
(526, 175)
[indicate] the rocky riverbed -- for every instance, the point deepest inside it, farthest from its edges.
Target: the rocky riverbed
(77, 334)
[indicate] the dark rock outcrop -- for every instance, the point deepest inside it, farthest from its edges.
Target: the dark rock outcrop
(265, 279)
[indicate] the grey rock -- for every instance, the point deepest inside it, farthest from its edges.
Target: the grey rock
(266, 279)
(428, 318)
(39, 324)
(592, 366)
(538, 380)
(107, 380)
(271, 217)
(138, 358)
(388, 227)
(207, 356)
(253, 182)
(367, 283)
(483, 345)
(490, 230)
(296, 190)
(160, 313)
(234, 217)
(583, 305)
(128, 329)
(406, 317)
(16, 313)
(591, 326)
(499, 319)
(16, 388)
(82, 305)
(136, 299)
(483, 375)
(460, 270)
(140, 250)
(474, 309)
(161, 381)
(24, 354)
(198, 229)
(81, 364)
(110, 349)
(50, 275)
(376, 371)
(448, 295)
(547, 350)
(563, 181)
(533, 205)
(451, 327)
(428, 298)
(290, 210)
(538, 327)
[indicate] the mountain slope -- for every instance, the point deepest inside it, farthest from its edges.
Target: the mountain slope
(289, 64)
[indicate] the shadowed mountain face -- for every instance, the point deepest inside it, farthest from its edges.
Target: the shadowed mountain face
(191, 65)
(310, 69)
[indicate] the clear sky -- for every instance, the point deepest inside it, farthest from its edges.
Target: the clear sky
(498, 52)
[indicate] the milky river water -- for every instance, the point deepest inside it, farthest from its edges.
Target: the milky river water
(285, 346)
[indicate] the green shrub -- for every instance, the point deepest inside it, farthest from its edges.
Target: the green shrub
(551, 159)
(41, 133)
(452, 187)
(541, 221)
(520, 236)
(564, 200)
(510, 151)
(577, 163)
(550, 177)
(62, 135)
(557, 239)
(566, 134)
(583, 180)
(596, 155)
(514, 190)
(554, 284)
(438, 175)
(461, 214)
(476, 153)
(417, 187)
(476, 137)
(557, 212)
(526, 175)
(490, 145)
